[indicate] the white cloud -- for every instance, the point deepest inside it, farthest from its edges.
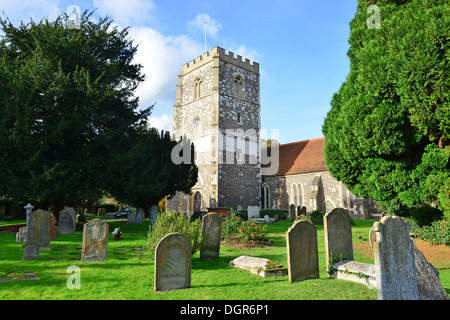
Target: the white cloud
(125, 12)
(18, 11)
(161, 58)
(198, 24)
(162, 123)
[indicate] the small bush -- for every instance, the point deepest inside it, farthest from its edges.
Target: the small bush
(235, 227)
(170, 222)
(242, 214)
(437, 233)
(316, 217)
(425, 215)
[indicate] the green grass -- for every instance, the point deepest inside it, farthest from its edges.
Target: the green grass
(129, 274)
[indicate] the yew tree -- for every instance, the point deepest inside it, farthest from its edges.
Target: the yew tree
(388, 130)
(66, 107)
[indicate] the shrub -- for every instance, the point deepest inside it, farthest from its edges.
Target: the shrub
(437, 233)
(242, 214)
(172, 221)
(236, 227)
(425, 215)
(316, 217)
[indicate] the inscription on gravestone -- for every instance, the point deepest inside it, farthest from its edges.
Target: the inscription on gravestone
(212, 227)
(95, 241)
(173, 262)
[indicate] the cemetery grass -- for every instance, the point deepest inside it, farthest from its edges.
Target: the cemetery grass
(128, 274)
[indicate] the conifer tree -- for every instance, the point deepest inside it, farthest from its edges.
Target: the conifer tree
(388, 130)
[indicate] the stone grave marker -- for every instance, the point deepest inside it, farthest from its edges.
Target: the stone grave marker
(41, 224)
(21, 235)
(302, 250)
(394, 260)
(67, 222)
(212, 226)
(298, 211)
(173, 262)
(131, 218)
(337, 226)
(139, 216)
(154, 210)
(259, 266)
(95, 241)
(292, 212)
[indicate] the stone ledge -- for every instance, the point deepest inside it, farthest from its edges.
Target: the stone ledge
(358, 272)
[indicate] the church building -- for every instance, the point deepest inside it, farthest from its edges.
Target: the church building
(218, 108)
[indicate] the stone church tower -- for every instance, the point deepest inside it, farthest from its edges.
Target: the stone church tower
(218, 108)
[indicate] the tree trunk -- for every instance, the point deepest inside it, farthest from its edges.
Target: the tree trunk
(57, 206)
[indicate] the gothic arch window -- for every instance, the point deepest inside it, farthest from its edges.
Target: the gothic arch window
(294, 197)
(265, 197)
(197, 87)
(239, 86)
(300, 194)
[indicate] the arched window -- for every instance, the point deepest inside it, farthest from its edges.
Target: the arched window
(197, 87)
(265, 197)
(294, 197)
(300, 195)
(239, 86)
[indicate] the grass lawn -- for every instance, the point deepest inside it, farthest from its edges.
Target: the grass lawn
(129, 274)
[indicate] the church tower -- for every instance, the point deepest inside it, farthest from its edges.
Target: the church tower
(218, 108)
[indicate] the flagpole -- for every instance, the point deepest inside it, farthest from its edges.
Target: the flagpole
(205, 35)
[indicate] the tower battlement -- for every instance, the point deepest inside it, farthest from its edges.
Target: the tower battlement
(224, 56)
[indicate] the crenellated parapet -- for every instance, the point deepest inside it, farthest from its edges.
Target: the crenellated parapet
(223, 56)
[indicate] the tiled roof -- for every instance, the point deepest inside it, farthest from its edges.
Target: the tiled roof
(301, 157)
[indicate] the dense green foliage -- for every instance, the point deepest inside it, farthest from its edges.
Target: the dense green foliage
(172, 221)
(70, 124)
(316, 217)
(388, 131)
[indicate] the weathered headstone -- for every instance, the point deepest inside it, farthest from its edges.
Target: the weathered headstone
(67, 221)
(267, 219)
(428, 284)
(394, 260)
(153, 215)
(139, 216)
(131, 218)
(259, 266)
(302, 251)
(239, 208)
(30, 251)
(292, 212)
(298, 211)
(303, 211)
(253, 212)
(41, 224)
(95, 241)
(173, 262)
(21, 235)
(337, 226)
(212, 227)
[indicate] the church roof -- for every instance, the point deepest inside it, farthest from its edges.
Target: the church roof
(301, 157)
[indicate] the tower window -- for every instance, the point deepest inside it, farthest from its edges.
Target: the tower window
(197, 87)
(239, 87)
(239, 117)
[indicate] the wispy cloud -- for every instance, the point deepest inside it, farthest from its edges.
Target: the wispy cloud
(198, 24)
(126, 12)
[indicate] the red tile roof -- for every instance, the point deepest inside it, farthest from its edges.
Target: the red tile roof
(302, 157)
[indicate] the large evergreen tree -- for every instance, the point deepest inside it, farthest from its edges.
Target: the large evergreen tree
(388, 131)
(66, 107)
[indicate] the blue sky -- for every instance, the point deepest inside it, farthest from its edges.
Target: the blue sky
(301, 47)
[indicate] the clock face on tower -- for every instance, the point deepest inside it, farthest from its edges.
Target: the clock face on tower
(196, 122)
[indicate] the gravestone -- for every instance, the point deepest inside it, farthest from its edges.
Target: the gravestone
(292, 212)
(239, 208)
(259, 266)
(428, 284)
(21, 235)
(41, 224)
(337, 226)
(394, 260)
(299, 211)
(30, 251)
(267, 219)
(303, 211)
(154, 210)
(212, 227)
(67, 221)
(253, 212)
(131, 218)
(95, 241)
(173, 262)
(139, 216)
(302, 250)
